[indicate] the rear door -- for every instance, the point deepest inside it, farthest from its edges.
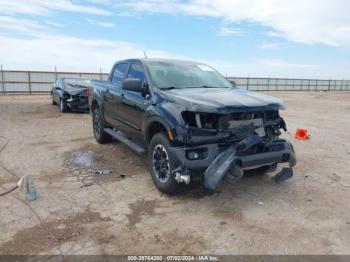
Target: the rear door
(112, 94)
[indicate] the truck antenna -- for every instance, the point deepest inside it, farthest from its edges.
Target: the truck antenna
(144, 53)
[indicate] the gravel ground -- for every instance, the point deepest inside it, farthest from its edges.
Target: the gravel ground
(123, 213)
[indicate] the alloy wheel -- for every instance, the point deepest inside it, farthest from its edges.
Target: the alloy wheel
(161, 164)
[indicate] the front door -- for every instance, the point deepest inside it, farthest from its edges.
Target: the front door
(112, 95)
(133, 104)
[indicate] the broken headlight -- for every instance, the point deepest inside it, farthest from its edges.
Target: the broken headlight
(201, 120)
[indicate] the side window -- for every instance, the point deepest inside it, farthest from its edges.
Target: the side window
(118, 73)
(136, 71)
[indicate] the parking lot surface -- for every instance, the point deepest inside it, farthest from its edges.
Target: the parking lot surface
(78, 212)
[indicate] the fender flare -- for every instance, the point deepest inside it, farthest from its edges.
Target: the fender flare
(150, 121)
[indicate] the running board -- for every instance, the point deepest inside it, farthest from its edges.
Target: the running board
(122, 138)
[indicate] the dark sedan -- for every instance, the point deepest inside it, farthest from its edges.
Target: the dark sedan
(70, 94)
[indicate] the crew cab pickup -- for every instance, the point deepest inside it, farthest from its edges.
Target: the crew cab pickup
(191, 122)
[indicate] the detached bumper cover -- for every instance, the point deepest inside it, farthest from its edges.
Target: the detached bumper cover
(219, 161)
(78, 103)
(284, 153)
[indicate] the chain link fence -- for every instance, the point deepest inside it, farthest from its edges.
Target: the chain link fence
(29, 82)
(287, 84)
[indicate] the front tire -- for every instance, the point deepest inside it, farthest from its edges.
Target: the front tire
(161, 164)
(63, 106)
(98, 127)
(53, 100)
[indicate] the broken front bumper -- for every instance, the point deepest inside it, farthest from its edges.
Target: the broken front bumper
(279, 151)
(219, 160)
(78, 103)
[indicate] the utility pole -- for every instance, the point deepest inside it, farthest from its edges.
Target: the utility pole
(2, 80)
(29, 83)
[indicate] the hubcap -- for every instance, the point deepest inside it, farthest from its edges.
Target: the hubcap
(161, 164)
(97, 125)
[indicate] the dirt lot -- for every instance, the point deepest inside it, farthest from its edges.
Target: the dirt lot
(123, 213)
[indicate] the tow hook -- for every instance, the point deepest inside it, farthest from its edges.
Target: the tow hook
(182, 178)
(182, 175)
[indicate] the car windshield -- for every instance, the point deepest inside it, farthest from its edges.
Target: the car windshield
(181, 74)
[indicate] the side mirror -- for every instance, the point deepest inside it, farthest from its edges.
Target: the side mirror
(132, 84)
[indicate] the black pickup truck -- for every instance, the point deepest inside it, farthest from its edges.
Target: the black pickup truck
(191, 121)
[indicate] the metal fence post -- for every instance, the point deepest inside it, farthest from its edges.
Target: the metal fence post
(268, 84)
(55, 73)
(100, 73)
(29, 83)
(2, 80)
(308, 85)
(329, 85)
(248, 83)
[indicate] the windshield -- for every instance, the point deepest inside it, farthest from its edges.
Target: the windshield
(179, 74)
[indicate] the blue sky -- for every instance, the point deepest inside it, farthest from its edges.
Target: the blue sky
(240, 38)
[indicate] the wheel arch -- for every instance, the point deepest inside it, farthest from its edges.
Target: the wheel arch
(155, 126)
(94, 105)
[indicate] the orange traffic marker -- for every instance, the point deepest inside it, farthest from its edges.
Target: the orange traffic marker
(302, 134)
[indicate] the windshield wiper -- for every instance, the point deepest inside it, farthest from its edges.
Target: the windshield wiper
(168, 88)
(205, 86)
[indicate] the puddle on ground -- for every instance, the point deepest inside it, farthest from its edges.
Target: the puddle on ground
(119, 163)
(83, 158)
(140, 208)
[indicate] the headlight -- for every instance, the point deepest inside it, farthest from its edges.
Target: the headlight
(201, 120)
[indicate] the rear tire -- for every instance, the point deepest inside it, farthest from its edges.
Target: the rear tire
(161, 163)
(63, 106)
(98, 127)
(53, 100)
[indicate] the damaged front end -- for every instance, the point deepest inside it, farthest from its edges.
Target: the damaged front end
(228, 143)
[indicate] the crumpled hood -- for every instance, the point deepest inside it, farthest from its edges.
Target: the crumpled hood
(221, 99)
(73, 90)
